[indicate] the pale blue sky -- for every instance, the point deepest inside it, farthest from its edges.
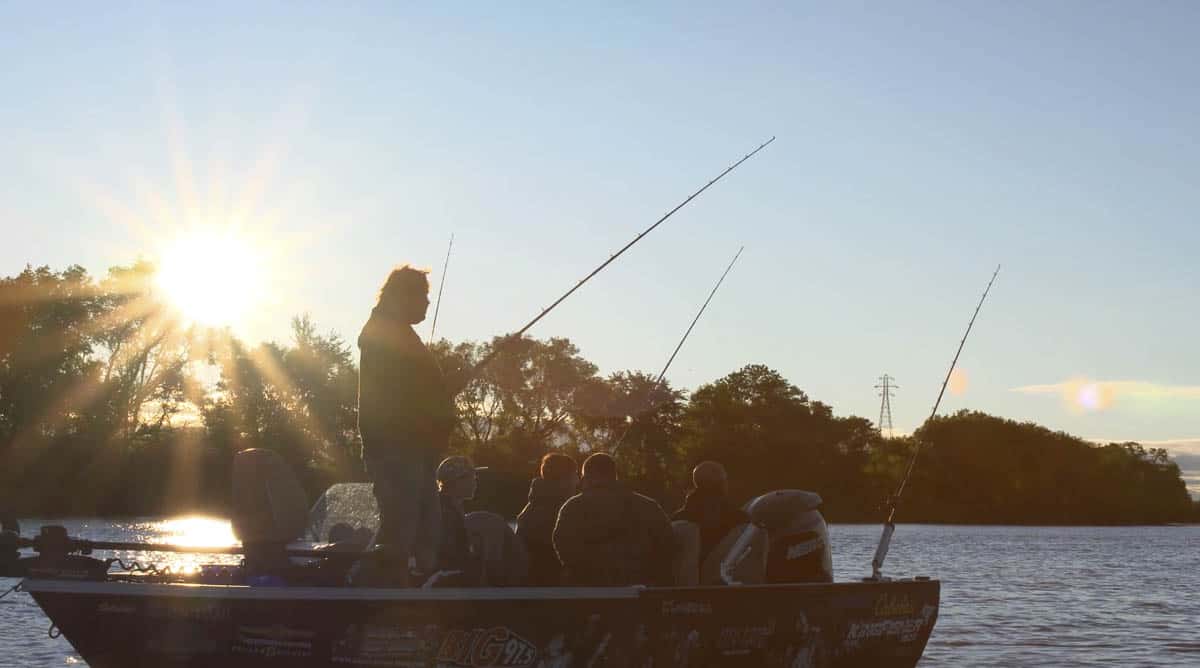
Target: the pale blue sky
(920, 144)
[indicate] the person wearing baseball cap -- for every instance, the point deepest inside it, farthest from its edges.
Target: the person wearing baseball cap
(457, 481)
(708, 505)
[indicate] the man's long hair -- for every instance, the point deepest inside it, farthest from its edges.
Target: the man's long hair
(403, 284)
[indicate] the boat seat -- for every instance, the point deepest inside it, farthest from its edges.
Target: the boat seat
(740, 558)
(686, 565)
(503, 557)
(269, 508)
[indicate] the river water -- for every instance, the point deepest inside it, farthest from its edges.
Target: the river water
(1011, 596)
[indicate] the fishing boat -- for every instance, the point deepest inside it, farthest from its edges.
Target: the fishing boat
(765, 597)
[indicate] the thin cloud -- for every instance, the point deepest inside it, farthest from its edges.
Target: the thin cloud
(1086, 395)
(1176, 446)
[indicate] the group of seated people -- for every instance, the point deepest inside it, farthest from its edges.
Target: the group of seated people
(603, 535)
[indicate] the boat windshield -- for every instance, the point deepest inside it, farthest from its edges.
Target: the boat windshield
(345, 513)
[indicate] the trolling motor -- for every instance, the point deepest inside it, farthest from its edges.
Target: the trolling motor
(9, 556)
(58, 556)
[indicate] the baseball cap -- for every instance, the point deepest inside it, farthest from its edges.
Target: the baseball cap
(453, 468)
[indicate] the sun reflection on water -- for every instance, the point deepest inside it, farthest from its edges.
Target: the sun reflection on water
(196, 532)
(189, 531)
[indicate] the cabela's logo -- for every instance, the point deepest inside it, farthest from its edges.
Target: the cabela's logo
(481, 648)
(888, 605)
(679, 608)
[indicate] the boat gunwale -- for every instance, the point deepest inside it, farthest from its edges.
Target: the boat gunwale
(244, 592)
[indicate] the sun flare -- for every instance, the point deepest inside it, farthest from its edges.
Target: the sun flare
(212, 278)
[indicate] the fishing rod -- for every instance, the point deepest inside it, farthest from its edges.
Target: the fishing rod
(488, 358)
(663, 373)
(889, 526)
(441, 286)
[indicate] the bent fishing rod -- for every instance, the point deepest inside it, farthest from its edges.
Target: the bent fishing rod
(889, 526)
(441, 286)
(515, 335)
(662, 374)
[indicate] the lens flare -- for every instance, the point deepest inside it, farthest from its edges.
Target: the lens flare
(1088, 396)
(958, 382)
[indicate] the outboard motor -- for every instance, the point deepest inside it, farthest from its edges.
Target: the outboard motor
(799, 539)
(269, 510)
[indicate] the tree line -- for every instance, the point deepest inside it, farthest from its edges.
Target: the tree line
(110, 405)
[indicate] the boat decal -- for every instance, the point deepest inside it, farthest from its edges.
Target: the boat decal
(385, 645)
(735, 640)
(481, 648)
(673, 608)
(804, 548)
(109, 608)
(207, 612)
(273, 640)
(905, 629)
(894, 605)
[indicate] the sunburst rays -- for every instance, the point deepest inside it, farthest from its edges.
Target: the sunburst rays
(147, 316)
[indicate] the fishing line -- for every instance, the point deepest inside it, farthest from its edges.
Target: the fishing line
(663, 373)
(488, 358)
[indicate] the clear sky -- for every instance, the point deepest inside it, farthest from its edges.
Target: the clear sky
(919, 145)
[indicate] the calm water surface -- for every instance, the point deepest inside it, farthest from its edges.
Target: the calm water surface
(1011, 596)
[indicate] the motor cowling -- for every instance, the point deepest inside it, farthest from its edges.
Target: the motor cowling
(799, 538)
(269, 509)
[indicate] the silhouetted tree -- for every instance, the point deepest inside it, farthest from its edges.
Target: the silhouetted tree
(640, 422)
(96, 378)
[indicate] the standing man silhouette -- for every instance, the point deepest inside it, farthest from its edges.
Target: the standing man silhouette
(405, 417)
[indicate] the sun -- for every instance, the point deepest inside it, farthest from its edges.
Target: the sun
(212, 277)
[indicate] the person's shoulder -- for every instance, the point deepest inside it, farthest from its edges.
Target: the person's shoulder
(643, 498)
(382, 334)
(648, 503)
(573, 502)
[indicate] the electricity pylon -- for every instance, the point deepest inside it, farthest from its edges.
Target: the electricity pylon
(885, 388)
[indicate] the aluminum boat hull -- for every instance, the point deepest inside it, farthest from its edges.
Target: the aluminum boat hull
(131, 624)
